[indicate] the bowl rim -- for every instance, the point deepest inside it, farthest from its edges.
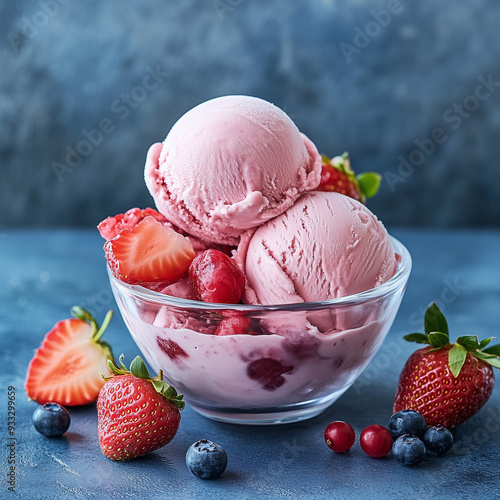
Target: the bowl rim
(396, 282)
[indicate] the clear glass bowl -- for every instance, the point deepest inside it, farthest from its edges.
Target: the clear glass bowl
(298, 359)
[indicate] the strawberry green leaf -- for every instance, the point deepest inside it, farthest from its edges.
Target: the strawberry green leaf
(169, 392)
(494, 349)
(114, 369)
(159, 385)
(438, 339)
(456, 358)
(178, 401)
(419, 338)
(122, 364)
(489, 358)
(369, 182)
(138, 368)
(434, 320)
(485, 342)
(470, 342)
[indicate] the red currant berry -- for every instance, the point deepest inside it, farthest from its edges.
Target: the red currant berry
(339, 436)
(376, 441)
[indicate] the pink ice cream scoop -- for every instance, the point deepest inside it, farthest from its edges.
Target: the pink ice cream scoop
(229, 165)
(326, 246)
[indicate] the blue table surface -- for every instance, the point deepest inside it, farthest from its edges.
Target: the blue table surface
(43, 273)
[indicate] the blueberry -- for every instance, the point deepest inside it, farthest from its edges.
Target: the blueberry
(407, 422)
(51, 419)
(438, 440)
(206, 459)
(408, 450)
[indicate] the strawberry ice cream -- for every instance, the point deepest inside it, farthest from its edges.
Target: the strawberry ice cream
(326, 246)
(322, 278)
(228, 165)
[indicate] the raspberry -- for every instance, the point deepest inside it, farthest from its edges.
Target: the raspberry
(215, 277)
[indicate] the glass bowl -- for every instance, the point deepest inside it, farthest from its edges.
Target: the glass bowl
(295, 362)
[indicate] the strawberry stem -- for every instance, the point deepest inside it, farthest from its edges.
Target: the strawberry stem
(84, 315)
(105, 324)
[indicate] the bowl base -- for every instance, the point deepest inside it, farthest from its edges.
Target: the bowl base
(272, 416)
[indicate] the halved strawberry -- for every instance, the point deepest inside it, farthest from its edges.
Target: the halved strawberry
(150, 254)
(113, 226)
(337, 175)
(67, 367)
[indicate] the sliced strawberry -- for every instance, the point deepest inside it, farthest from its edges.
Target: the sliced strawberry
(150, 255)
(337, 175)
(67, 367)
(113, 226)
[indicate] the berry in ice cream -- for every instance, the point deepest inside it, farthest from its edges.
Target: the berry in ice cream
(149, 254)
(111, 227)
(215, 277)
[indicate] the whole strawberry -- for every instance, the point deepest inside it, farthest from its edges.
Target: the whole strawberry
(337, 175)
(446, 383)
(136, 414)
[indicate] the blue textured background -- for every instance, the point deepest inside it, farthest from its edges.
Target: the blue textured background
(66, 65)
